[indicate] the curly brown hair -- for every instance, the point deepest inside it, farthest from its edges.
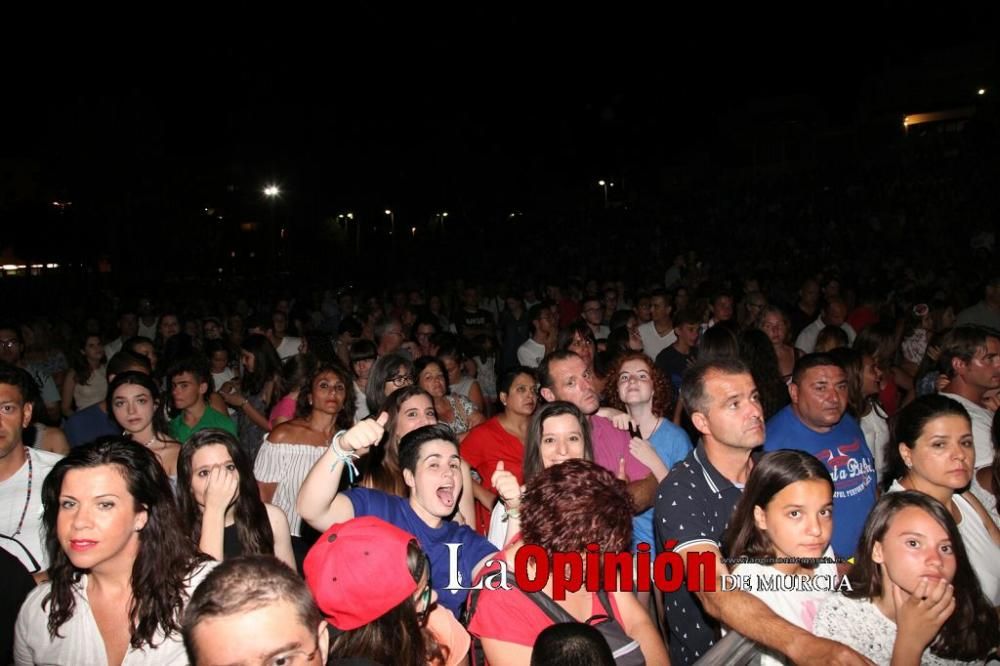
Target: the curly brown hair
(576, 503)
(663, 392)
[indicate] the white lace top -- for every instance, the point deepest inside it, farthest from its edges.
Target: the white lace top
(858, 624)
(287, 465)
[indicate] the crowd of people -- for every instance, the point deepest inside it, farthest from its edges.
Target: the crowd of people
(359, 468)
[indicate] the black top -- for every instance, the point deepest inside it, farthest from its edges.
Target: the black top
(693, 506)
(17, 584)
(231, 543)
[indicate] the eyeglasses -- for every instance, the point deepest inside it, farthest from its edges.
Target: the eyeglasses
(8, 344)
(399, 381)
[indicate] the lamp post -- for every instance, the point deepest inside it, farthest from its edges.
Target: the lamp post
(605, 184)
(272, 192)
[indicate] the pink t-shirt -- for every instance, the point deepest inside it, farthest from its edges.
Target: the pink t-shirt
(284, 409)
(610, 445)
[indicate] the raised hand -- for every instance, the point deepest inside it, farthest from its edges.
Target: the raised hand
(506, 486)
(220, 491)
(364, 435)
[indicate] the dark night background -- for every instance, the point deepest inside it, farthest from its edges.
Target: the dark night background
(481, 116)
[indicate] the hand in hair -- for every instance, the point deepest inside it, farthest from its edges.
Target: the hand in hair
(507, 487)
(223, 484)
(919, 618)
(364, 434)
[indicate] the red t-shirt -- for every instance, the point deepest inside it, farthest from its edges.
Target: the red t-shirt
(509, 615)
(483, 448)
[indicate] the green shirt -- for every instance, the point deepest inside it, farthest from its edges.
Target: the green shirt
(210, 419)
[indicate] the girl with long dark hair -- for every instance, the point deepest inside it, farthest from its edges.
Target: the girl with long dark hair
(914, 598)
(785, 514)
(220, 503)
(134, 402)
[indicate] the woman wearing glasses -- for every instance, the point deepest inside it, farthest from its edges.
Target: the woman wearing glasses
(121, 567)
(325, 406)
(390, 372)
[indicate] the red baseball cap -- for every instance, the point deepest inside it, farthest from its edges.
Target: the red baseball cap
(357, 571)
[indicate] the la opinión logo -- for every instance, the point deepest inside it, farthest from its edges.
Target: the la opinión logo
(533, 566)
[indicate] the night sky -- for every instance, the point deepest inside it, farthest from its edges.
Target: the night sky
(479, 115)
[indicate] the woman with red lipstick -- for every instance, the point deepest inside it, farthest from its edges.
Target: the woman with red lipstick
(933, 453)
(913, 596)
(134, 401)
(121, 567)
(325, 406)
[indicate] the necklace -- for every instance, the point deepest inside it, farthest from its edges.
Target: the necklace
(27, 497)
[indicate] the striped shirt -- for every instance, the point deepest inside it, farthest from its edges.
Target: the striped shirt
(286, 465)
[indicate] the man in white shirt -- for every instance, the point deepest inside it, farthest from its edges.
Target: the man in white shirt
(542, 340)
(658, 333)
(970, 357)
(22, 472)
(834, 314)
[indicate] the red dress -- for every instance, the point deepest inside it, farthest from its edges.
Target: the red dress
(483, 448)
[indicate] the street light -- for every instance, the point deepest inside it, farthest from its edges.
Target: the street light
(272, 191)
(392, 220)
(982, 91)
(604, 184)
